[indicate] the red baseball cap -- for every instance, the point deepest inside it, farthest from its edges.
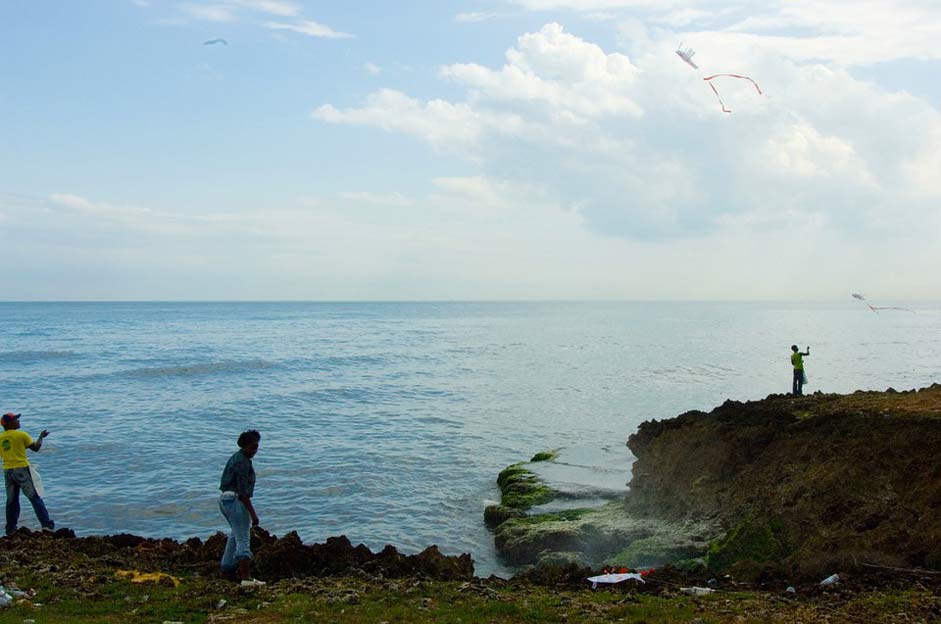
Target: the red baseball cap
(9, 417)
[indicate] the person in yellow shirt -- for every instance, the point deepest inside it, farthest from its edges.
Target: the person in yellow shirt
(16, 475)
(797, 361)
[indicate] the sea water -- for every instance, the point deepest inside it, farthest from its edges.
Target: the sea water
(388, 422)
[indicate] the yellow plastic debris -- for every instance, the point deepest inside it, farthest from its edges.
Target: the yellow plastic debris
(136, 576)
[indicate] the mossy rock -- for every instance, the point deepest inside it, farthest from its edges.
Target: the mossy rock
(755, 540)
(560, 558)
(545, 456)
(495, 515)
(522, 540)
(521, 488)
(696, 565)
(654, 551)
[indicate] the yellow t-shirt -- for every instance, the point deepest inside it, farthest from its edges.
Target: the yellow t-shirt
(13, 445)
(797, 359)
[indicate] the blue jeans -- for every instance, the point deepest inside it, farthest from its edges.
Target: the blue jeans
(16, 479)
(238, 546)
(797, 386)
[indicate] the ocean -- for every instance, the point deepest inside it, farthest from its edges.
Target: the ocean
(388, 422)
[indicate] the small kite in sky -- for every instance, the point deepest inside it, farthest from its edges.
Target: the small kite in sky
(687, 56)
(215, 41)
(877, 308)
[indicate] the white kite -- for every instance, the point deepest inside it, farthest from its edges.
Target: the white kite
(215, 41)
(877, 308)
(687, 56)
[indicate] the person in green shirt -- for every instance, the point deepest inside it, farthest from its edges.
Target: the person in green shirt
(797, 361)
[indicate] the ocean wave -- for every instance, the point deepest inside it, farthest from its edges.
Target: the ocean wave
(372, 394)
(339, 361)
(35, 356)
(198, 369)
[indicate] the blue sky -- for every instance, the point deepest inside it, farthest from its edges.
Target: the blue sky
(495, 149)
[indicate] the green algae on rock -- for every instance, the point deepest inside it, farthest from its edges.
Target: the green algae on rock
(752, 542)
(520, 489)
(545, 456)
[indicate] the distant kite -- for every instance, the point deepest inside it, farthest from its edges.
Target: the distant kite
(687, 56)
(215, 41)
(876, 308)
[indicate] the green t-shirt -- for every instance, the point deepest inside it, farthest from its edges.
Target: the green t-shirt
(797, 359)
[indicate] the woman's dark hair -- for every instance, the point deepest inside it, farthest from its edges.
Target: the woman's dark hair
(248, 437)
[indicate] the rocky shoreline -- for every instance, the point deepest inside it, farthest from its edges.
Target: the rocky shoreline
(784, 487)
(127, 579)
(275, 558)
(752, 503)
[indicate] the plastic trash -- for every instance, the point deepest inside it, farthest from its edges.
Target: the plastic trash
(790, 589)
(833, 579)
(37, 480)
(697, 591)
(136, 576)
(613, 578)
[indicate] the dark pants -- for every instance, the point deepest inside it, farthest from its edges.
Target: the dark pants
(797, 387)
(17, 479)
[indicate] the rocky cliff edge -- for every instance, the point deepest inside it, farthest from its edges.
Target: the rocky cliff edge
(794, 486)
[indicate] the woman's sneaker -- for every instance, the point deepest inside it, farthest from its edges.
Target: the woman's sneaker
(252, 583)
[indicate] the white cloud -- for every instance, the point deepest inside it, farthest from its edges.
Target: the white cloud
(126, 215)
(309, 28)
(271, 7)
(475, 194)
(372, 69)
(210, 12)
(857, 33)
(801, 151)
(474, 17)
(639, 149)
(438, 122)
(593, 6)
(378, 199)
(72, 201)
(574, 78)
(923, 169)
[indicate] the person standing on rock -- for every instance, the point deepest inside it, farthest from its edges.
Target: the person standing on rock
(797, 361)
(16, 473)
(235, 502)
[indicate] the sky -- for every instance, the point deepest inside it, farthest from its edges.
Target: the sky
(469, 150)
